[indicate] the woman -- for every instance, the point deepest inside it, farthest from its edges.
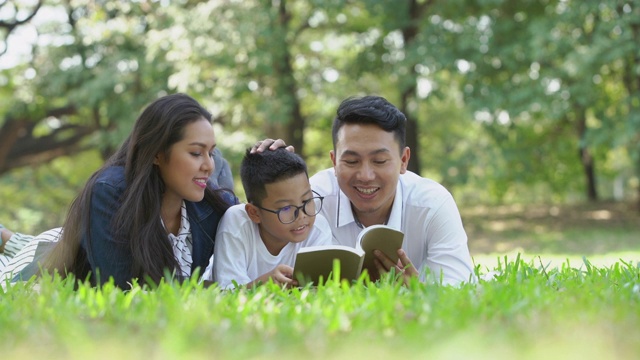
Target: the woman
(149, 209)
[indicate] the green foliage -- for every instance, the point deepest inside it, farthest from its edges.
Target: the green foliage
(36, 199)
(496, 91)
(525, 311)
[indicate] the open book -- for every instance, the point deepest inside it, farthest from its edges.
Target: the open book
(315, 262)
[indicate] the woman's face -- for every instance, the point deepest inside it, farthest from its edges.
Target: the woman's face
(186, 168)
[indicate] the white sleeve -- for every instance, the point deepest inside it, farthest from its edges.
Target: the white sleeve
(448, 253)
(230, 255)
(208, 272)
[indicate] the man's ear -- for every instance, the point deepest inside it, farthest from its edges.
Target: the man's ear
(406, 154)
(333, 157)
(253, 212)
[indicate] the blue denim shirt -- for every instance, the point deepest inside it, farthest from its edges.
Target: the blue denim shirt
(111, 257)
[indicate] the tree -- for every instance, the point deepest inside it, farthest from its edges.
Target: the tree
(259, 64)
(76, 95)
(85, 88)
(543, 66)
(7, 26)
(619, 45)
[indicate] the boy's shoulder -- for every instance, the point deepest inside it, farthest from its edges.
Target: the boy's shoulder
(236, 227)
(236, 209)
(235, 216)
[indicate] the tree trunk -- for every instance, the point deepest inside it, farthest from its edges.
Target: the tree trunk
(586, 159)
(589, 173)
(295, 122)
(638, 175)
(278, 130)
(631, 80)
(296, 129)
(412, 132)
(8, 136)
(409, 32)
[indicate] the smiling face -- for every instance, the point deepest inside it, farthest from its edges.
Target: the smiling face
(292, 191)
(367, 162)
(185, 169)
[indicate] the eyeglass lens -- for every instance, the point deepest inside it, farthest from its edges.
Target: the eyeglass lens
(289, 214)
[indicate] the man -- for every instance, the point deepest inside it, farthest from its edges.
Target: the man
(369, 184)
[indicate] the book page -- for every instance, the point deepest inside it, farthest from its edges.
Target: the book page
(380, 237)
(314, 262)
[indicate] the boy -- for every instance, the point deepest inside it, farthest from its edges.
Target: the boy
(259, 240)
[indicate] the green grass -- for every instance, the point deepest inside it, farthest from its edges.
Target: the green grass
(526, 312)
(567, 286)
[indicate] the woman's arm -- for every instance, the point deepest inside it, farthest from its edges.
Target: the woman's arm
(107, 255)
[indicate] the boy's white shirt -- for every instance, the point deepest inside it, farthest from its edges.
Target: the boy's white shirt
(240, 254)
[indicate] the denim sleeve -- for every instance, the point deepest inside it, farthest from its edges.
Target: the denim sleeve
(225, 178)
(221, 175)
(108, 256)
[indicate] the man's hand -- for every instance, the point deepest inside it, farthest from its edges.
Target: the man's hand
(270, 144)
(403, 266)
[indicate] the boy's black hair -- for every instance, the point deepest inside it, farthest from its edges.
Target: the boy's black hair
(267, 167)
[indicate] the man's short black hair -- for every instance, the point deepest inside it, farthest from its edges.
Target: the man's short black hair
(371, 110)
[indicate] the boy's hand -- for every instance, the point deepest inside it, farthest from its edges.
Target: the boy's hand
(270, 144)
(281, 275)
(403, 266)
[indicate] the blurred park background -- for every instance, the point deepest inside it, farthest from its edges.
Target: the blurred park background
(527, 111)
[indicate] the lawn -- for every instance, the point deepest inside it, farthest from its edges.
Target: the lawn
(575, 310)
(603, 232)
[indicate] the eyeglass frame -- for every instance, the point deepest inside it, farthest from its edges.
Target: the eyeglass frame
(297, 211)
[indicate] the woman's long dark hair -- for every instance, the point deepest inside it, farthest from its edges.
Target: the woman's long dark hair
(137, 220)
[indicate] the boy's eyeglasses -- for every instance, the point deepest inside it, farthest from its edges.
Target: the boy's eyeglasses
(289, 214)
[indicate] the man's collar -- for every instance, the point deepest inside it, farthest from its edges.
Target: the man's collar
(346, 217)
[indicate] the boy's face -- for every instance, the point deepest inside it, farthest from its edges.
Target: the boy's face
(290, 192)
(367, 162)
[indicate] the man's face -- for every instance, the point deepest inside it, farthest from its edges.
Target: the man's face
(367, 162)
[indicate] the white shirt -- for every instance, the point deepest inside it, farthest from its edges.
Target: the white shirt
(423, 210)
(240, 254)
(182, 244)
